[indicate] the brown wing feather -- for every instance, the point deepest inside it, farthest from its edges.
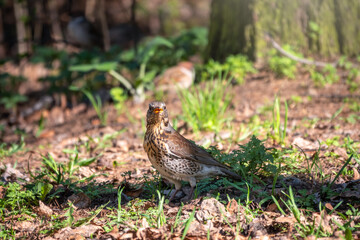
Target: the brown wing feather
(183, 148)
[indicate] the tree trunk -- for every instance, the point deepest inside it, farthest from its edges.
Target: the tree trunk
(38, 23)
(20, 12)
(232, 29)
(324, 28)
(2, 43)
(57, 34)
(95, 13)
(321, 27)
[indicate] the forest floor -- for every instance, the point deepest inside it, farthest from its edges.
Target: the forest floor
(52, 193)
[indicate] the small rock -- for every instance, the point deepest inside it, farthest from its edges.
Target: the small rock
(122, 145)
(11, 174)
(305, 144)
(210, 208)
(179, 194)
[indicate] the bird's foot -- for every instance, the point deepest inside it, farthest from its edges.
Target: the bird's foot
(189, 196)
(173, 195)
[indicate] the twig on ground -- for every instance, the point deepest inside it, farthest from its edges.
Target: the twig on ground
(277, 46)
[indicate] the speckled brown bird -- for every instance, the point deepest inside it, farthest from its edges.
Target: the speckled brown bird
(176, 158)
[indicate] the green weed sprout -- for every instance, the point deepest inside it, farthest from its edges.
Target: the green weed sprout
(204, 107)
(279, 134)
(98, 106)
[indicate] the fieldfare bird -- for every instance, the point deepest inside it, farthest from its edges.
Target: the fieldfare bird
(181, 76)
(176, 158)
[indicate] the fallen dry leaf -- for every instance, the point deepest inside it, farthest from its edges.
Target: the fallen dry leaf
(232, 206)
(271, 208)
(2, 192)
(83, 231)
(210, 208)
(95, 122)
(356, 174)
(80, 200)
(44, 210)
(285, 220)
(196, 229)
(47, 134)
(329, 206)
(323, 219)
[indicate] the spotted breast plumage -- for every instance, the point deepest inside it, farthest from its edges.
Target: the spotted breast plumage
(176, 158)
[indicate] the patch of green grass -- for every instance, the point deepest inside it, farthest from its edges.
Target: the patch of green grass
(205, 107)
(53, 173)
(296, 99)
(283, 66)
(7, 150)
(237, 66)
(303, 229)
(353, 79)
(98, 106)
(245, 130)
(327, 75)
(119, 96)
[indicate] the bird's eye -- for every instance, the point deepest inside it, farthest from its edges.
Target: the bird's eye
(164, 107)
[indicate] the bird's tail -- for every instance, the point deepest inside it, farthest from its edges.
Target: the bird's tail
(231, 174)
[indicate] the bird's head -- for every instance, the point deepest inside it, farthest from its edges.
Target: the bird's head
(157, 114)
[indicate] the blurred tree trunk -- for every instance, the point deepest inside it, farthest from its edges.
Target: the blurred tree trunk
(57, 34)
(38, 28)
(325, 27)
(134, 25)
(2, 43)
(321, 27)
(95, 13)
(21, 15)
(232, 29)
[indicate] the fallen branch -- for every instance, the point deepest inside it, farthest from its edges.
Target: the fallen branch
(295, 58)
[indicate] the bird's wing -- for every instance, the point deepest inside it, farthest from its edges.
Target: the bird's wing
(183, 148)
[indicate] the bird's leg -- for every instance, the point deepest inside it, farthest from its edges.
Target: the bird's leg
(173, 195)
(192, 185)
(191, 193)
(177, 187)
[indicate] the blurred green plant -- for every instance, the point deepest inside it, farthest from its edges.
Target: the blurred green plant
(70, 69)
(237, 66)
(98, 106)
(9, 96)
(327, 75)
(283, 66)
(119, 97)
(314, 31)
(204, 106)
(6, 150)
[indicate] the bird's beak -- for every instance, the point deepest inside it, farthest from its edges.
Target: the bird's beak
(158, 110)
